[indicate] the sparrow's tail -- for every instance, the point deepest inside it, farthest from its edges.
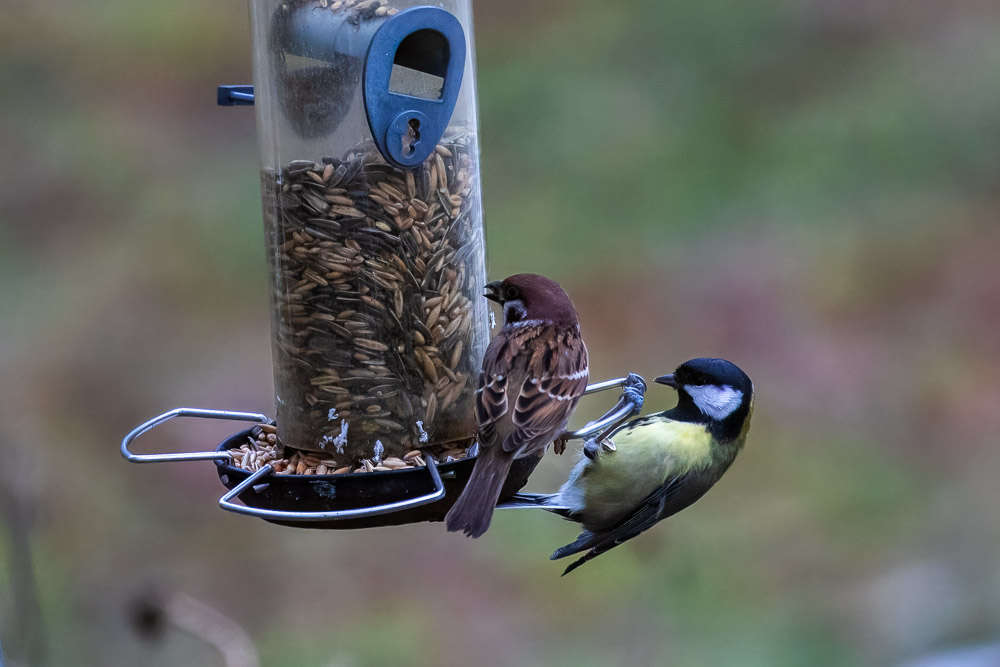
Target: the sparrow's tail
(473, 510)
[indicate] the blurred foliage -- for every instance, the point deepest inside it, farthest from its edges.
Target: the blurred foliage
(807, 188)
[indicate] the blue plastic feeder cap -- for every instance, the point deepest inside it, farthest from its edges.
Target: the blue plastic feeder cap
(412, 75)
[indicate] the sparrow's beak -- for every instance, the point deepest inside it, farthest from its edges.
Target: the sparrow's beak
(667, 380)
(493, 292)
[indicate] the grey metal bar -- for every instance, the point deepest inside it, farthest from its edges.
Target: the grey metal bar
(553, 508)
(185, 456)
(628, 404)
(226, 501)
(622, 411)
(602, 386)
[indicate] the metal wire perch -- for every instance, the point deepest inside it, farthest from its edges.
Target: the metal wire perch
(629, 403)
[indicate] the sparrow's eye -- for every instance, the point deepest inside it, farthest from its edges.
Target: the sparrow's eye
(511, 293)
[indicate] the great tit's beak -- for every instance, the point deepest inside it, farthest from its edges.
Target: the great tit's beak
(667, 380)
(493, 292)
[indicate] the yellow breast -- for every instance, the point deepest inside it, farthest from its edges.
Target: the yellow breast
(645, 456)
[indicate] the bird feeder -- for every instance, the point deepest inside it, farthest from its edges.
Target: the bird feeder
(371, 198)
(367, 125)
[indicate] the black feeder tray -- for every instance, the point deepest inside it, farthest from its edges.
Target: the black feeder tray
(361, 500)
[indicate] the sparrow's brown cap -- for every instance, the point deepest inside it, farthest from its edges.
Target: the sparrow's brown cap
(543, 299)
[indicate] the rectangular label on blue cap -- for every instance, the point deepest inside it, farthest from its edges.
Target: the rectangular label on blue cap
(406, 81)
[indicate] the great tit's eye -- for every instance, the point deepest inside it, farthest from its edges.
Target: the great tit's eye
(696, 380)
(511, 293)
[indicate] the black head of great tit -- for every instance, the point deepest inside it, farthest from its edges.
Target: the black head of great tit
(661, 463)
(714, 392)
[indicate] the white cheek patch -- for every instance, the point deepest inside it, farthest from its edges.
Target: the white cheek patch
(715, 401)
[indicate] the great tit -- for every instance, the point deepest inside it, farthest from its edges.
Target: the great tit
(658, 464)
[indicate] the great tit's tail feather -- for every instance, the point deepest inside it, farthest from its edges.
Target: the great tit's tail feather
(582, 543)
(593, 543)
(529, 499)
(546, 501)
(593, 553)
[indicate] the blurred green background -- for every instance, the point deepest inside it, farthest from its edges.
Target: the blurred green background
(807, 188)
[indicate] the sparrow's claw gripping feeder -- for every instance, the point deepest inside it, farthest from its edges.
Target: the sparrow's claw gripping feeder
(367, 125)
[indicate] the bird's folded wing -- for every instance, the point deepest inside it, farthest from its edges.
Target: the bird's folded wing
(491, 403)
(544, 403)
(646, 515)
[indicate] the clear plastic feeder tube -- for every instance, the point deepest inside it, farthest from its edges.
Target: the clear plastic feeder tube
(367, 123)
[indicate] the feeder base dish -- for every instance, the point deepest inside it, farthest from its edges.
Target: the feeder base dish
(324, 493)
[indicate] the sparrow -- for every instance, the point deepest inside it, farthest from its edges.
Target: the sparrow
(658, 465)
(534, 372)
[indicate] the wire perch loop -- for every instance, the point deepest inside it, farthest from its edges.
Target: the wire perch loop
(185, 456)
(629, 403)
(255, 490)
(226, 501)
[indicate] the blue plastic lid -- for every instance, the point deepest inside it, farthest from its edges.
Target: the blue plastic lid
(413, 72)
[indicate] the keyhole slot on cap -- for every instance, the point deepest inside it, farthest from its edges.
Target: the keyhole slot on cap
(412, 137)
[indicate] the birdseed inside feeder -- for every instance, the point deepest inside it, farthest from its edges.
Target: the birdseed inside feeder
(372, 207)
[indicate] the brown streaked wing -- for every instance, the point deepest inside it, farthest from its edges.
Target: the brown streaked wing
(544, 404)
(491, 396)
(491, 405)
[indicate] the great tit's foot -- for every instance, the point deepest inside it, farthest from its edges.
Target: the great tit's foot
(559, 445)
(629, 403)
(634, 391)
